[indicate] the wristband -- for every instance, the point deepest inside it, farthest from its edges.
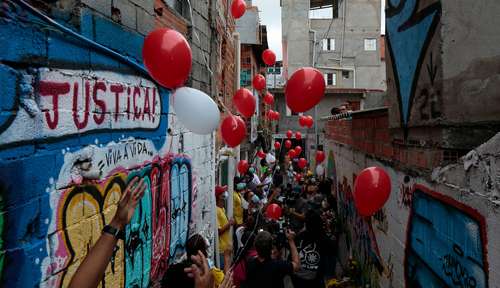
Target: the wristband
(117, 233)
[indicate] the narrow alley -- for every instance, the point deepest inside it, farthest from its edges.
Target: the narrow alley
(250, 143)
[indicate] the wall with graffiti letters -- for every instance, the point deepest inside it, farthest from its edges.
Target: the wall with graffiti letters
(429, 233)
(437, 63)
(76, 126)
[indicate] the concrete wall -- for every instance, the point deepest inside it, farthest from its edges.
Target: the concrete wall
(443, 69)
(295, 34)
(76, 126)
(248, 26)
(438, 141)
(440, 225)
(362, 21)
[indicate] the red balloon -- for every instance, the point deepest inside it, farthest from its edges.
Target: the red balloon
(269, 99)
(288, 144)
(269, 57)
(277, 145)
(238, 8)
(298, 150)
(167, 57)
(298, 135)
(304, 89)
(298, 176)
(270, 114)
(302, 163)
(261, 154)
(371, 190)
(276, 115)
(244, 102)
(289, 134)
(320, 156)
(259, 82)
(302, 121)
(292, 154)
(233, 130)
(243, 166)
(309, 121)
(273, 211)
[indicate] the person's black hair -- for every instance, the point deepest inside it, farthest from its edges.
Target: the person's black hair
(313, 223)
(263, 162)
(237, 179)
(325, 187)
(264, 244)
(196, 243)
(176, 277)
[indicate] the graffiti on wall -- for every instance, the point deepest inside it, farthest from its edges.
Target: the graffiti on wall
(72, 136)
(405, 194)
(2, 227)
(360, 238)
(159, 225)
(446, 243)
(71, 102)
(410, 27)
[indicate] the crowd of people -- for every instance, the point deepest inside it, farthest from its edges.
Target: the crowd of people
(297, 249)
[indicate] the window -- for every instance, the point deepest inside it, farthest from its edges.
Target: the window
(323, 13)
(245, 78)
(328, 44)
(331, 79)
(370, 44)
(180, 6)
(345, 74)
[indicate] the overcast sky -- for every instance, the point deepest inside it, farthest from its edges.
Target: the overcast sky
(270, 15)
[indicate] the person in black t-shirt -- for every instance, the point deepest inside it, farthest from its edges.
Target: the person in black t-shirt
(315, 252)
(265, 272)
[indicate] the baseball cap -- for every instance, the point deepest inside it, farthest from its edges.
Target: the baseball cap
(220, 189)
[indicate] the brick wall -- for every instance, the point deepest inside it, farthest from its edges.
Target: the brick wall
(77, 125)
(369, 133)
(167, 17)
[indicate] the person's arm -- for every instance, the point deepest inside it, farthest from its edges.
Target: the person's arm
(293, 250)
(299, 216)
(226, 227)
(200, 272)
(92, 269)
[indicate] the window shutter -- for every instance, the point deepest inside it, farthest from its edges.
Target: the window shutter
(325, 44)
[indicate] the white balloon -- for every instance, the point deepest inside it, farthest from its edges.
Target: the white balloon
(320, 170)
(196, 110)
(270, 159)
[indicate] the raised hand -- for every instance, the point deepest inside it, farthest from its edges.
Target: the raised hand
(200, 272)
(126, 207)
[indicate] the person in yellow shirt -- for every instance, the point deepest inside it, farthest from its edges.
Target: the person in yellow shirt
(223, 225)
(238, 201)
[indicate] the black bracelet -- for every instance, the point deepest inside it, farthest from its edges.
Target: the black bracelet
(117, 233)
